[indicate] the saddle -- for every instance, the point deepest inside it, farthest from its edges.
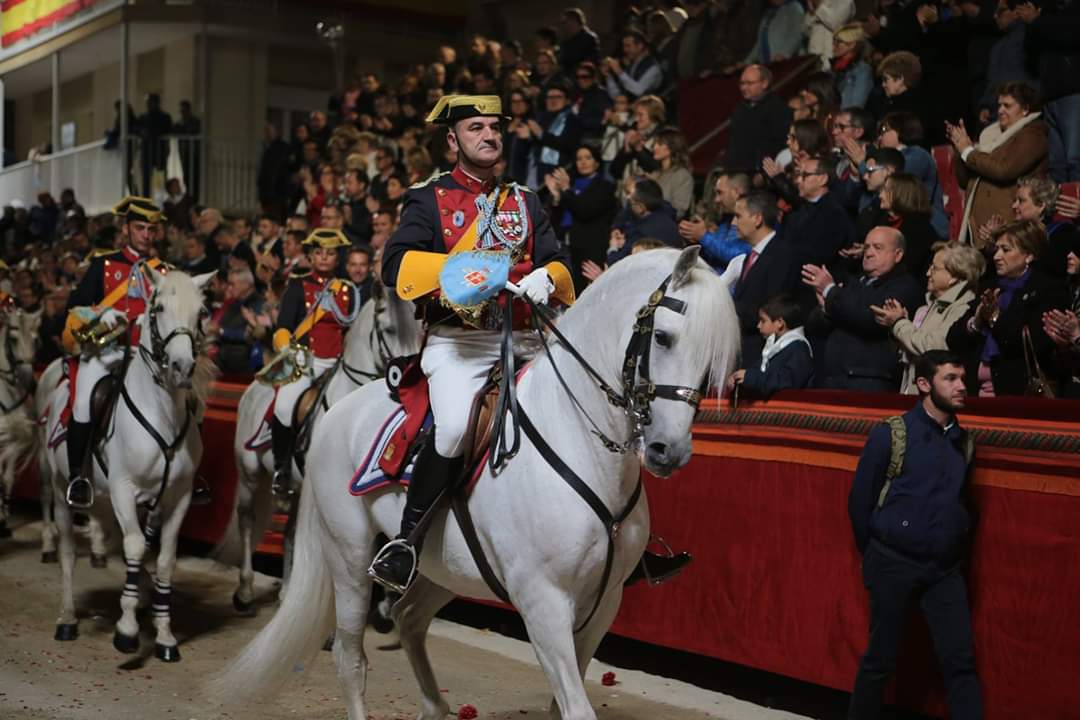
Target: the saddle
(103, 399)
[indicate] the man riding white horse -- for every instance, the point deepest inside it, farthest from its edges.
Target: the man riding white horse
(466, 206)
(112, 287)
(315, 312)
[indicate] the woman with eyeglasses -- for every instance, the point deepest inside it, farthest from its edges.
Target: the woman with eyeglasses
(951, 282)
(906, 205)
(1016, 145)
(590, 101)
(854, 77)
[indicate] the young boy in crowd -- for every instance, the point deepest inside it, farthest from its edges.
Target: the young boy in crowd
(786, 359)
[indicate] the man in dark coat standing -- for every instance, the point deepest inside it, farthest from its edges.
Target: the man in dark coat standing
(859, 353)
(759, 125)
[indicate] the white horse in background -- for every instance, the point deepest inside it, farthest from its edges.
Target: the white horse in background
(384, 329)
(149, 456)
(545, 544)
(18, 434)
(43, 395)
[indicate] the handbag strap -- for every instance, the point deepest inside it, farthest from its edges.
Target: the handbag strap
(1031, 360)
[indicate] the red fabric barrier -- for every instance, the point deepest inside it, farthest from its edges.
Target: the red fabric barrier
(951, 193)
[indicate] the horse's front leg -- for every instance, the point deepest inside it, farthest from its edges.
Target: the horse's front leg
(126, 637)
(548, 613)
(165, 645)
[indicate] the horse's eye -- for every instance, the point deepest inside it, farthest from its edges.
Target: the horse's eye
(157, 308)
(662, 339)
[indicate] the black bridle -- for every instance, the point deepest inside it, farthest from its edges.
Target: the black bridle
(377, 341)
(155, 357)
(638, 389)
(11, 374)
(638, 394)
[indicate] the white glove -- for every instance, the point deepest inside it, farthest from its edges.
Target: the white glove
(537, 285)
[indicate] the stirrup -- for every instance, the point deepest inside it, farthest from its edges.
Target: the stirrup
(658, 568)
(384, 571)
(74, 490)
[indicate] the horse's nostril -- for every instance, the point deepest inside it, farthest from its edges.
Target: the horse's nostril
(658, 451)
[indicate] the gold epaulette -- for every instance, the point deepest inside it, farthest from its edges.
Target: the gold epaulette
(299, 274)
(102, 252)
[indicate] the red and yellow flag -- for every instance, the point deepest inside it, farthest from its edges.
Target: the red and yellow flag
(22, 18)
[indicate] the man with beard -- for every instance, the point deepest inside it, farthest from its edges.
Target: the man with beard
(908, 512)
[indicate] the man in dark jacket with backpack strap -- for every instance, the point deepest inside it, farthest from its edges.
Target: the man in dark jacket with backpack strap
(908, 513)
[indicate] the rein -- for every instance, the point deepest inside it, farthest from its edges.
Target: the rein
(635, 399)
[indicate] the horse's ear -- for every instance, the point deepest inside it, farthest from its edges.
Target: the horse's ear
(202, 280)
(378, 291)
(687, 260)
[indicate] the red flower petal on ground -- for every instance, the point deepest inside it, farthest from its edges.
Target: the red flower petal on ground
(466, 712)
(608, 679)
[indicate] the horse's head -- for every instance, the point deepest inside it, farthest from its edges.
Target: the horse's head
(682, 340)
(171, 326)
(396, 331)
(19, 330)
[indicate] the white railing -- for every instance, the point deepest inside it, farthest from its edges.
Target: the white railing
(90, 170)
(94, 174)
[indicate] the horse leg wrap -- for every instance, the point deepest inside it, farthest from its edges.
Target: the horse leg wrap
(131, 581)
(160, 599)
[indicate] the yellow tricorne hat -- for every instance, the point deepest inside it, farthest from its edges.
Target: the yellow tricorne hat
(134, 207)
(327, 238)
(452, 108)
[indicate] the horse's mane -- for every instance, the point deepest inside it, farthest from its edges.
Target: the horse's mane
(625, 287)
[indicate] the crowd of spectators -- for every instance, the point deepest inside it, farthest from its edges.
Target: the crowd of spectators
(826, 216)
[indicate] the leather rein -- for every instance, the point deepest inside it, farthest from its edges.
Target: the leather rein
(638, 393)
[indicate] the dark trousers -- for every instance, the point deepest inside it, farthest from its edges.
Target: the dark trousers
(942, 595)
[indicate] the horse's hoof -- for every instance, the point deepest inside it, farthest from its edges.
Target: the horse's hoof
(50, 557)
(380, 623)
(167, 653)
(66, 632)
(99, 561)
(328, 646)
(244, 608)
(124, 643)
(5, 531)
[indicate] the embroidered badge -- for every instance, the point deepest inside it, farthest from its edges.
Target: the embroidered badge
(458, 218)
(117, 275)
(509, 222)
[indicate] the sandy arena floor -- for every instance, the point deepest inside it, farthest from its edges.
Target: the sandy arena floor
(41, 678)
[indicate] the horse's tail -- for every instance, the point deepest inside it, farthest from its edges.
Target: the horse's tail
(301, 625)
(18, 441)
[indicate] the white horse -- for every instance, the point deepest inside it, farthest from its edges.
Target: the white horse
(149, 457)
(546, 546)
(384, 329)
(18, 436)
(47, 384)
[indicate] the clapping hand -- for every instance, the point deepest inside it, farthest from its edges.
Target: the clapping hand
(817, 277)
(562, 178)
(958, 136)
(1027, 11)
(1068, 206)
(987, 229)
(534, 128)
(888, 313)
(1062, 326)
(591, 270)
(771, 167)
(854, 149)
(692, 230)
(852, 251)
(988, 311)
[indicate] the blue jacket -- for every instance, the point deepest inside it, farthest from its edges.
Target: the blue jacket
(924, 516)
(659, 225)
(721, 246)
(790, 369)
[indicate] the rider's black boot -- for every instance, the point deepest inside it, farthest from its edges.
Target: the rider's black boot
(282, 446)
(80, 491)
(658, 568)
(395, 565)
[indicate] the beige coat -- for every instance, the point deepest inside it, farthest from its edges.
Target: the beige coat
(941, 316)
(990, 177)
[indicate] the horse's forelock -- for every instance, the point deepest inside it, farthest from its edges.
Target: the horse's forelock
(185, 297)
